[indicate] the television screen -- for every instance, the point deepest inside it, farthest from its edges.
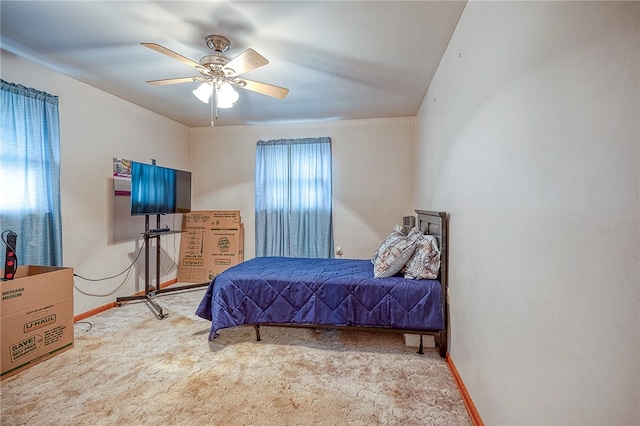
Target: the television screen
(159, 190)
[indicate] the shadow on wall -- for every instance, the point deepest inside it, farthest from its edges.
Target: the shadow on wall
(167, 264)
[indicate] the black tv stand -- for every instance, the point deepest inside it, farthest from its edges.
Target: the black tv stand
(149, 291)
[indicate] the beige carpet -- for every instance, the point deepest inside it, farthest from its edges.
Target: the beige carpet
(128, 367)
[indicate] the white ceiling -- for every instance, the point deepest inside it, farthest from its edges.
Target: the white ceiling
(339, 59)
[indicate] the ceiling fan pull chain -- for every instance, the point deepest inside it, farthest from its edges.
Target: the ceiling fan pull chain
(215, 90)
(214, 100)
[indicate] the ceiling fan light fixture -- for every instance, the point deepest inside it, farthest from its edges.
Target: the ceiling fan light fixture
(203, 92)
(218, 74)
(227, 96)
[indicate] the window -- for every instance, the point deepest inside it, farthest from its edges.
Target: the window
(30, 173)
(294, 198)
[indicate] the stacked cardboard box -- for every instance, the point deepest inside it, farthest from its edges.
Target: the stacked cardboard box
(36, 317)
(212, 242)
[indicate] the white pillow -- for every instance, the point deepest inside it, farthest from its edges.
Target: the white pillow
(392, 255)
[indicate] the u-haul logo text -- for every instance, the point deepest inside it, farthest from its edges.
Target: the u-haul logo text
(39, 323)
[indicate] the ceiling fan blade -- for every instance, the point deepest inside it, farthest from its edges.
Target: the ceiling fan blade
(263, 88)
(246, 61)
(168, 81)
(170, 53)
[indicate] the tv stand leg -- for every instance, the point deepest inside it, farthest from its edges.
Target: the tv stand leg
(157, 307)
(121, 301)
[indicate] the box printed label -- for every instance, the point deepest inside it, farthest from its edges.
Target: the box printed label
(25, 347)
(192, 262)
(224, 244)
(10, 294)
(197, 220)
(225, 218)
(53, 335)
(39, 323)
(193, 243)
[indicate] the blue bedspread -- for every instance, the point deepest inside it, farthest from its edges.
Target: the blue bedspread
(319, 291)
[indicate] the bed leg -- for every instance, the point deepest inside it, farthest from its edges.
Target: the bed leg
(442, 343)
(257, 327)
(420, 348)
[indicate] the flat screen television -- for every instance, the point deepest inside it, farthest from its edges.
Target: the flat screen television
(159, 190)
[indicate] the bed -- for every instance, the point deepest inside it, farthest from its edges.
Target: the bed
(334, 293)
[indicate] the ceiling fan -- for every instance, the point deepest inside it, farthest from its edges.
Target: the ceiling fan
(219, 75)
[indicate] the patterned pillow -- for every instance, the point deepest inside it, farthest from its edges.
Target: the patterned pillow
(425, 261)
(392, 254)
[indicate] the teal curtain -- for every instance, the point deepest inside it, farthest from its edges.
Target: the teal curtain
(30, 173)
(294, 198)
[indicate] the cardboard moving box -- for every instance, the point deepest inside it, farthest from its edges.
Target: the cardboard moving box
(36, 317)
(212, 241)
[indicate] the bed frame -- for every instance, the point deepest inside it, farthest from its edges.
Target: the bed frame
(429, 222)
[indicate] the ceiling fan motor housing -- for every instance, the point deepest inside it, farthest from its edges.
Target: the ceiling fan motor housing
(218, 43)
(213, 66)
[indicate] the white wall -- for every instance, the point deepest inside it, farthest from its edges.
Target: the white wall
(100, 239)
(372, 175)
(529, 136)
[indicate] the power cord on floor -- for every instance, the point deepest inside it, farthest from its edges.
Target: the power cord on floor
(85, 322)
